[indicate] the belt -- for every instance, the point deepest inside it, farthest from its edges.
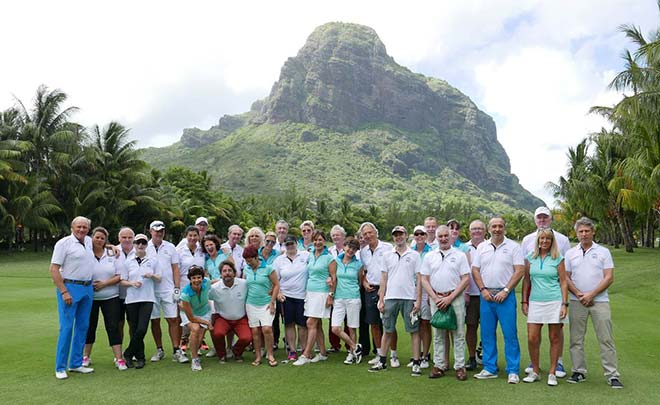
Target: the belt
(443, 294)
(494, 291)
(79, 282)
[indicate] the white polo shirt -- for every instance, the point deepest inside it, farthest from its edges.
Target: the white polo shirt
(292, 274)
(75, 258)
(496, 264)
(401, 274)
(188, 259)
(585, 268)
(121, 262)
(134, 271)
(472, 289)
(373, 261)
(445, 269)
(528, 242)
(279, 246)
(167, 256)
(229, 302)
(237, 254)
(103, 269)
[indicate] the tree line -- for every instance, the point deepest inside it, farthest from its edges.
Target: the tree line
(614, 174)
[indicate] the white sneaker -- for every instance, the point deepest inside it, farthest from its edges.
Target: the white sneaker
(211, 352)
(61, 375)
(416, 370)
(409, 365)
(179, 357)
(82, 370)
(394, 362)
(424, 364)
(121, 365)
(552, 380)
(485, 375)
(86, 361)
(230, 354)
(532, 377)
(375, 361)
(513, 378)
(529, 369)
(158, 356)
(560, 371)
(302, 360)
(350, 358)
(196, 364)
(319, 357)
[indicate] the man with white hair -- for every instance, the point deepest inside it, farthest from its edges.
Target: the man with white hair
(282, 231)
(71, 270)
(543, 219)
(234, 235)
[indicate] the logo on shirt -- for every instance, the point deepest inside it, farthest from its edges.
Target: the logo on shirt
(505, 250)
(452, 260)
(408, 260)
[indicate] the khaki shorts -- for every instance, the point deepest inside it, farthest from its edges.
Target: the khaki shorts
(392, 309)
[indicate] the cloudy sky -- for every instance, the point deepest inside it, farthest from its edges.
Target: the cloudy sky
(158, 67)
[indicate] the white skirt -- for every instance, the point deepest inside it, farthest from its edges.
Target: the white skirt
(259, 315)
(315, 305)
(545, 312)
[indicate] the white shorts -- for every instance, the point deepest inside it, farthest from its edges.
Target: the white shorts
(259, 315)
(349, 308)
(166, 302)
(545, 312)
(315, 305)
(185, 321)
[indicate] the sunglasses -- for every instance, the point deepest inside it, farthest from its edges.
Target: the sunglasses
(140, 242)
(419, 234)
(270, 242)
(306, 230)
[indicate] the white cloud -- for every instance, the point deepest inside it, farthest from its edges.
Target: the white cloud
(535, 66)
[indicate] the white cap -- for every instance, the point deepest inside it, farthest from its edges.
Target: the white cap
(200, 220)
(157, 225)
(419, 228)
(542, 210)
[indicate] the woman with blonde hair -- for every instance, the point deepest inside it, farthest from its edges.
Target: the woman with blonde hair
(255, 237)
(545, 274)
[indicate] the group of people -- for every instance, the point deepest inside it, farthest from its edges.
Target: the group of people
(239, 294)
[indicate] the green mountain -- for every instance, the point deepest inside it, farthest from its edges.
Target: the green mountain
(344, 119)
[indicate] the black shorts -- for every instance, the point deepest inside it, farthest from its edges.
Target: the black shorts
(472, 310)
(371, 312)
(293, 310)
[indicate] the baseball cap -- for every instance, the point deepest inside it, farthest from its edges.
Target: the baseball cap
(140, 236)
(157, 225)
(542, 210)
(290, 239)
(419, 228)
(200, 220)
(453, 221)
(399, 228)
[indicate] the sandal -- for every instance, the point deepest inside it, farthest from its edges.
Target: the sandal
(256, 362)
(272, 362)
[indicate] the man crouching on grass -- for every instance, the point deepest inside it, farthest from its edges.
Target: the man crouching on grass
(196, 312)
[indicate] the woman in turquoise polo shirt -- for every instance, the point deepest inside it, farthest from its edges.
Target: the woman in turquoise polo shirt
(347, 298)
(548, 302)
(214, 256)
(263, 287)
(196, 312)
(321, 284)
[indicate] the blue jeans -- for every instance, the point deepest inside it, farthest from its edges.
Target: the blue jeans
(74, 320)
(506, 313)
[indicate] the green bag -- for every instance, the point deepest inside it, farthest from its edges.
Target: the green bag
(444, 319)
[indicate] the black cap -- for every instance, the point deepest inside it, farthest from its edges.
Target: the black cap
(290, 239)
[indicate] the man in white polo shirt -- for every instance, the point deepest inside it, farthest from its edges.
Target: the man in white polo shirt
(229, 300)
(400, 291)
(543, 219)
(234, 235)
(168, 292)
(71, 271)
(282, 231)
(445, 275)
(371, 256)
(497, 267)
(477, 232)
(591, 271)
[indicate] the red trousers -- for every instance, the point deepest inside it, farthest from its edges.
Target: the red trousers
(221, 327)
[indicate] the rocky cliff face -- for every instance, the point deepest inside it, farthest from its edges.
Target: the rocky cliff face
(343, 78)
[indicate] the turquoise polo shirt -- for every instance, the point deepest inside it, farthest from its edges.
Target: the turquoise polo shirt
(213, 266)
(199, 303)
(301, 246)
(317, 268)
(258, 283)
(545, 278)
(270, 259)
(463, 247)
(348, 286)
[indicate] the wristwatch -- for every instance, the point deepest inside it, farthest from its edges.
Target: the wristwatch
(506, 290)
(566, 304)
(331, 294)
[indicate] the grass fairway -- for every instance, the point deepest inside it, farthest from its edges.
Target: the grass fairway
(28, 332)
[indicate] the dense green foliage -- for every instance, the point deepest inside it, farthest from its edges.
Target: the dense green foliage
(614, 175)
(28, 330)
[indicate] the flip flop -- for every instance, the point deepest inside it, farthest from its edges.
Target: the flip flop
(272, 362)
(256, 362)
